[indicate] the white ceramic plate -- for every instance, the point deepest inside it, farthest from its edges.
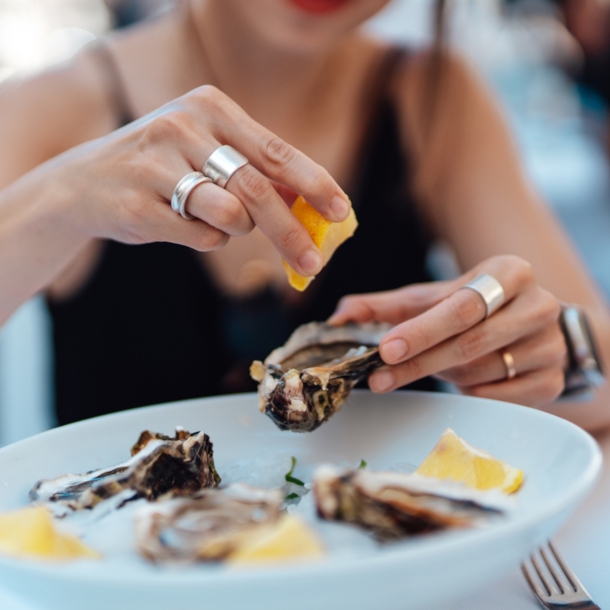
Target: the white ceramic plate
(561, 463)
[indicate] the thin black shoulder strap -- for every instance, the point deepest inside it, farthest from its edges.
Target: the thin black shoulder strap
(374, 98)
(117, 91)
(379, 84)
(385, 73)
(394, 56)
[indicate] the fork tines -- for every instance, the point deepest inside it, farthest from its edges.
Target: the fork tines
(553, 582)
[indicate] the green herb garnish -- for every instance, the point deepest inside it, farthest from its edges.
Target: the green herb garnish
(362, 465)
(291, 496)
(289, 476)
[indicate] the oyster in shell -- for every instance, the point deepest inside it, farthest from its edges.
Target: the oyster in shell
(207, 527)
(304, 382)
(160, 465)
(394, 505)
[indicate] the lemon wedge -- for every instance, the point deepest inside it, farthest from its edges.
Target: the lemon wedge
(30, 532)
(289, 540)
(327, 235)
(454, 458)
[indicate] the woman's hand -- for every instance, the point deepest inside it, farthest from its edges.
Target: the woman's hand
(122, 184)
(441, 330)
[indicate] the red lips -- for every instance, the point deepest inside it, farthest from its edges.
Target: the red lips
(319, 7)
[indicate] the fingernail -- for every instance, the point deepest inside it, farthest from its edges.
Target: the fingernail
(337, 319)
(393, 350)
(310, 262)
(381, 381)
(340, 207)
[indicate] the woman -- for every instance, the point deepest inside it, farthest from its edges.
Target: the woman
(421, 157)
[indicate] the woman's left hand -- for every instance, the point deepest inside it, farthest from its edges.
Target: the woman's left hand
(441, 330)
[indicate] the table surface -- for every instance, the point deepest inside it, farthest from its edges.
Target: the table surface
(584, 541)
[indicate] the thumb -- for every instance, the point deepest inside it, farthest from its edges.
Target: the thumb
(393, 306)
(285, 192)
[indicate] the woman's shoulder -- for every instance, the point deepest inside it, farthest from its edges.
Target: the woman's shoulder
(445, 107)
(437, 91)
(56, 108)
(450, 123)
(75, 101)
(154, 61)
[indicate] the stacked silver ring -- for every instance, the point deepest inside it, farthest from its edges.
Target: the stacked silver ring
(182, 191)
(219, 168)
(222, 164)
(490, 290)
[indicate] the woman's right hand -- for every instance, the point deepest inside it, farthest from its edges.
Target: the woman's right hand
(122, 184)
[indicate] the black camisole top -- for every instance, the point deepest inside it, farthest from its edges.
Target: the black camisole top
(150, 325)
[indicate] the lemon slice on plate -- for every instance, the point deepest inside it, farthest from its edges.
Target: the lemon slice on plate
(30, 532)
(289, 540)
(454, 458)
(327, 235)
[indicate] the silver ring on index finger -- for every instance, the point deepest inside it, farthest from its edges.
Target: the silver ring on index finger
(490, 290)
(222, 164)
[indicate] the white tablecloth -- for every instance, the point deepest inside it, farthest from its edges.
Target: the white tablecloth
(584, 541)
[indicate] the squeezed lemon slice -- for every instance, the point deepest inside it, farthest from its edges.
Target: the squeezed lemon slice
(454, 458)
(289, 540)
(327, 235)
(30, 532)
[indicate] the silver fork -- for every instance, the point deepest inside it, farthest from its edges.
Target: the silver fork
(560, 588)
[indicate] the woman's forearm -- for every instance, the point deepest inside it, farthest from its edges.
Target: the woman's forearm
(38, 236)
(120, 186)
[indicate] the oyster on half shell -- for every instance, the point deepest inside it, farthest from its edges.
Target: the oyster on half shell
(207, 527)
(160, 465)
(304, 382)
(394, 505)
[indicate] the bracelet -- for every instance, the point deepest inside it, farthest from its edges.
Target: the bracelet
(584, 372)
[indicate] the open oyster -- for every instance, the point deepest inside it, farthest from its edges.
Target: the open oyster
(207, 527)
(160, 465)
(304, 382)
(394, 505)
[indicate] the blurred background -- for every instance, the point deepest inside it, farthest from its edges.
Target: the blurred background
(549, 63)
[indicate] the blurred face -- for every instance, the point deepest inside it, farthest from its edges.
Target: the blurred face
(301, 26)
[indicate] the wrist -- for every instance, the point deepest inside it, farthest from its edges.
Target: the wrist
(38, 236)
(63, 194)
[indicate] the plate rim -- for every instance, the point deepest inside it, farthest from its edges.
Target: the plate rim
(581, 487)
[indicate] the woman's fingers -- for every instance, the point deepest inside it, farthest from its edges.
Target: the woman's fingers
(443, 331)
(393, 306)
(219, 208)
(456, 314)
(162, 224)
(199, 123)
(527, 315)
(533, 389)
(249, 198)
(271, 156)
(541, 350)
(274, 218)
(283, 163)
(285, 192)
(269, 159)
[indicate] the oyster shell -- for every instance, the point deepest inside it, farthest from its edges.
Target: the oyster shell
(160, 465)
(207, 527)
(394, 505)
(304, 382)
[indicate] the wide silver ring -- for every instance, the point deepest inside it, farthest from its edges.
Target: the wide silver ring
(182, 191)
(490, 290)
(222, 164)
